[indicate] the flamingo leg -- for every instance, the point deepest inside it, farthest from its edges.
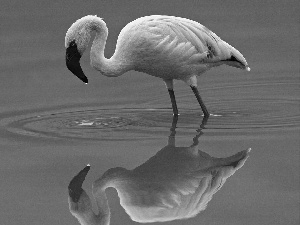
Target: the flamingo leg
(199, 99)
(173, 101)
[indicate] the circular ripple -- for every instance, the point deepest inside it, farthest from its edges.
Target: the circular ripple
(113, 124)
(88, 123)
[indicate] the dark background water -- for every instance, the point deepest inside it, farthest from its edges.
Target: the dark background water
(41, 151)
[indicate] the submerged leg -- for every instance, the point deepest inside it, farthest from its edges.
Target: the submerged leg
(169, 84)
(203, 107)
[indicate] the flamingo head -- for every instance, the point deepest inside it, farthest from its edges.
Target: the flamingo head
(76, 41)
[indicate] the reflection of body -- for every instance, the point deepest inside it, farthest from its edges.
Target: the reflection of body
(176, 183)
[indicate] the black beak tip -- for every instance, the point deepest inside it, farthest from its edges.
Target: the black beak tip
(85, 80)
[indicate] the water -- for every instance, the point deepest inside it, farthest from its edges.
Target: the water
(51, 125)
(235, 114)
(92, 123)
(45, 147)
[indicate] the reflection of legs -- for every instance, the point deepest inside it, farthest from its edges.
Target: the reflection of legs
(203, 107)
(171, 140)
(196, 139)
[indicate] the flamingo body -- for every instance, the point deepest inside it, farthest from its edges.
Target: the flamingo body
(172, 47)
(167, 47)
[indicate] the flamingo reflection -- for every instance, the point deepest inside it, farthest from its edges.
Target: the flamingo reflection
(176, 183)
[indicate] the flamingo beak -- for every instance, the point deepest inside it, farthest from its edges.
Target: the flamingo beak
(75, 186)
(238, 63)
(73, 62)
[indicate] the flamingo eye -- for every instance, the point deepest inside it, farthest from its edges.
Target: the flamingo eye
(72, 43)
(72, 51)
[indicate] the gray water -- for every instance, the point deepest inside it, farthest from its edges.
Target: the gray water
(52, 125)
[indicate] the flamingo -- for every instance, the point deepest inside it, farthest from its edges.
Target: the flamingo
(168, 47)
(176, 183)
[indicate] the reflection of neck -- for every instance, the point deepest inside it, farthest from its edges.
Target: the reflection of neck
(103, 216)
(83, 211)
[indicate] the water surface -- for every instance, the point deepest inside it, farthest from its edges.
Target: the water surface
(51, 125)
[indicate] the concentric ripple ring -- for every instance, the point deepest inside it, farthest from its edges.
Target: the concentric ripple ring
(96, 123)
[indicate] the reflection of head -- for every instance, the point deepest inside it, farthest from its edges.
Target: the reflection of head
(176, 183)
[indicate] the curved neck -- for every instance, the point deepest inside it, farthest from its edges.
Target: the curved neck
(112, 67)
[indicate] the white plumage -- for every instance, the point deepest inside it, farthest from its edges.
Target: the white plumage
(162, 46)
(177, 183)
